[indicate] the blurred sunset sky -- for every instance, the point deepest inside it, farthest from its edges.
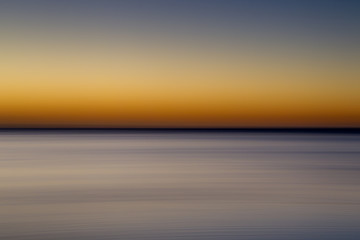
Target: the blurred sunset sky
(180, 63)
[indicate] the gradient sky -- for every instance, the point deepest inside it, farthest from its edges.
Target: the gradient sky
(170, 63)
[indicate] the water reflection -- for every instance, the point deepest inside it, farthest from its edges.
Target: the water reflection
(179, 186)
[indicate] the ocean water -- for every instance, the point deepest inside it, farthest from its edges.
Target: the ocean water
(154, 186)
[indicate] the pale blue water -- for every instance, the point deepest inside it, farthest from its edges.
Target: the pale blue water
(179, 186)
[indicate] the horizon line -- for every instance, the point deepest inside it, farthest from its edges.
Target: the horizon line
(186, 129)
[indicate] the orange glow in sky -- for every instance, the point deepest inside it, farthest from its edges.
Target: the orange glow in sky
(135, 77)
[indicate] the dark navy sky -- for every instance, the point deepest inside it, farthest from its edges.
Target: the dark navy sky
(322, 21)
(336, 15)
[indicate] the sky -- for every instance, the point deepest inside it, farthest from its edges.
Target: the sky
(180, 63)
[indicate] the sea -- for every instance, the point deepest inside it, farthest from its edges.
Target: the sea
(179, 185)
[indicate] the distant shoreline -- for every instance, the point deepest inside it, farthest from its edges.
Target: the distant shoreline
(324, 130)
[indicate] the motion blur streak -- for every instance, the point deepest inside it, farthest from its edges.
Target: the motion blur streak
(179, 186)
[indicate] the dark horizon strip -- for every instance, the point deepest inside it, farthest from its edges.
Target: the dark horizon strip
(323, 130)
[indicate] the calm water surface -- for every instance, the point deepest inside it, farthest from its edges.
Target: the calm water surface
(179, 186)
